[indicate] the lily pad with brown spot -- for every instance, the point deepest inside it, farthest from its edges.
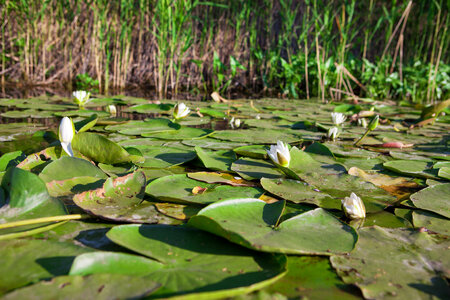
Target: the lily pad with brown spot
(120, 199)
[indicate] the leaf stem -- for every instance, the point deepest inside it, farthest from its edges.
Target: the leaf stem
(42, 220)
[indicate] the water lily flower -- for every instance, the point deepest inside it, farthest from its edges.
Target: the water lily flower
(180, 111)
(333, 133)
(279, 154)
(112, 110)
(338, 118)
(353, 207)
(235, 123)
(81, 97)
(66, 134)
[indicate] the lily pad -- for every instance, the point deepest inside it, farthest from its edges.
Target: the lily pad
(253, 151)
(431, 221)
(198, 264)
(412, 168)
(97, 286)
(299, 192)
(141, 127)
(27, 197)
(258, 136)
(249, 169)
(218, 160)
(211, 143)
(69, 167)
(99, 148)
(254, 224)
(434, 198)
(184, 133)
(27, 261)
(333, 180)
(181, 189)
(225, 178)
(398, 263)
(120, 199)
(164, 157)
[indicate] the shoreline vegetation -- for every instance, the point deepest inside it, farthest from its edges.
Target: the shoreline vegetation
(292, 49)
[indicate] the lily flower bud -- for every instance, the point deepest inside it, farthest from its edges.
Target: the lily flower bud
(374, 123)
(353, 207)
(66, 134)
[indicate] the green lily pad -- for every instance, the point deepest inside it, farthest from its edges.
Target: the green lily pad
(310, 277)
(99, 148)
(299, 192)
(225, 178)
(258, 136)
(253, 151)
(249, 169)
(27, 261)
(180, 189)
(164, 157)
(414, 168)
(86, 124)
(211, 143)
(199, 265)
(431, 221)
(120, 199)
(82, 113)
(11, 159)
(27, 197)
(398, 263)
(254, 224)
(216, 160)
(97, 286)
(444, 172)
(434, 198)
(141, 127)
(69, 167)
(333, 180)
(212, 112)
(113, 263)
(184, 133)
(150, 108)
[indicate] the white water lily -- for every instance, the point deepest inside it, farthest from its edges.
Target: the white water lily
(235, 123)
(66, 134)
(180, 111)
(112, 110)
(333, 133)
(353, 207)
(279, 154)
(81, 97)
(338, 118)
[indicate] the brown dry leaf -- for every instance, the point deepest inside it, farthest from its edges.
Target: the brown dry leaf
(400, 187)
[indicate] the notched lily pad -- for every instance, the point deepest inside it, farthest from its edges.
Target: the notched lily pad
(254, 224)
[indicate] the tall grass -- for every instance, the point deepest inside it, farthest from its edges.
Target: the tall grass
(396, 49)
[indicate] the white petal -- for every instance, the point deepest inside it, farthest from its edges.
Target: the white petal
(68, 148)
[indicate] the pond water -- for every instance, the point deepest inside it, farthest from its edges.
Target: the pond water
(203, 209)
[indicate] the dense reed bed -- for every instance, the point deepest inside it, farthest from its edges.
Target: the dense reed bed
(392, 49)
